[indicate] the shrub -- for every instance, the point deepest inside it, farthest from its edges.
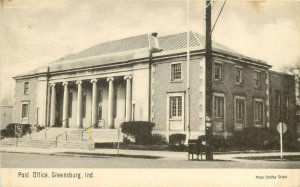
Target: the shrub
(255, 138)
(9, 131)
(176, 142)
(290, 141)
(139, 130)
(158, 139)
(176, 139)
(217, 142)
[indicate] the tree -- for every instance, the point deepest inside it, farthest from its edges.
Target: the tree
(295, 70)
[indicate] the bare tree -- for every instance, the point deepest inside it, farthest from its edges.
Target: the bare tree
(295, 70)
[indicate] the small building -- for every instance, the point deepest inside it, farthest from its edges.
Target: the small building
(150, 78)
(6, 113)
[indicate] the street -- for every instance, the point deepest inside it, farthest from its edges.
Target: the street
(27, 160)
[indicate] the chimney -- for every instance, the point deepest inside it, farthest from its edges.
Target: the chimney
(154, 45)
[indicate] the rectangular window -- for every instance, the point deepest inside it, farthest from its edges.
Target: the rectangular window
(286, 101)
(25, 107)
(218, 71)
(240, 109)
(238, 75)
(258, 111)
(218, 107)
(176, 71)
(26, 88)
(257, 79)
(70, 104)
(277, 98)
(176, 107)
(83, 105)
(277, 112)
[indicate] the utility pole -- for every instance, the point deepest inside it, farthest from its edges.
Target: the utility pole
(208, 78)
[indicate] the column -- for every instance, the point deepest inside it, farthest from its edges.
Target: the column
(94, 104)
(52, 105)
(128, 98)
(110, 108)
(66, 105)
(79, 104)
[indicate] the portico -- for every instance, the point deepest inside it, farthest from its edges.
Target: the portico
(101, 102)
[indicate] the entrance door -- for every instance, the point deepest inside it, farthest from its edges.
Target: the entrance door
(176, 111)
(25, 113)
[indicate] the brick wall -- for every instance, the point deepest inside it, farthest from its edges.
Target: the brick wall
(282, 85)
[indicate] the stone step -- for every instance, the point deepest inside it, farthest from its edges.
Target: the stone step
(46, 143)
(80, 145)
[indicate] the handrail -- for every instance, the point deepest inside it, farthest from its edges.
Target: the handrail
(61, 122)
(56, 138)
(88, 128)
(50, 128)
(85, 130)
(46, 132)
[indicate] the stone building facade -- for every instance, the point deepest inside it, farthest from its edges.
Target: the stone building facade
(150, 78)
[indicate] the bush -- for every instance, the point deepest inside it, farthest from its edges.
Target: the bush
(177, 139)
(139, 130)
(176, 142)
(255, 138)
(158, 139)
(290, 141)
(9, 131)
(217, 142)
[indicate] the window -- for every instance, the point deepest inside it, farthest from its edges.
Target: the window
(26, 88)
(176, 107)
(277, 98)
(218, 71)
(70, 104)
(240, 109)
(238, 75)
(83, 104)
(286, 101)
(25, 107)
(218, 106)
(257, 79)
(258, 111)
(175, 71)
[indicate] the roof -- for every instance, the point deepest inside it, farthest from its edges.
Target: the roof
(122, 45)
(131, 48)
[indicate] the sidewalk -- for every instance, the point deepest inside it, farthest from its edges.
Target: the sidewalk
(166, 155)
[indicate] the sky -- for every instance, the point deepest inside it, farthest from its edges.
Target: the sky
(34, 33)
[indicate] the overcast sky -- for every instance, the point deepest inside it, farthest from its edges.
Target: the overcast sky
(36, 32)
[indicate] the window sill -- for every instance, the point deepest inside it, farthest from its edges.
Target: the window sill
(219, 118)
(218, 81)
(175, 119)
(176, 81)
(239, 84)
(257, 124)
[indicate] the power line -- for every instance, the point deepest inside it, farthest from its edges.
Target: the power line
(217, 18)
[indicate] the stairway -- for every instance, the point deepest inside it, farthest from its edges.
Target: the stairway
(28, 143)
(45, 143)
(66, 138)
